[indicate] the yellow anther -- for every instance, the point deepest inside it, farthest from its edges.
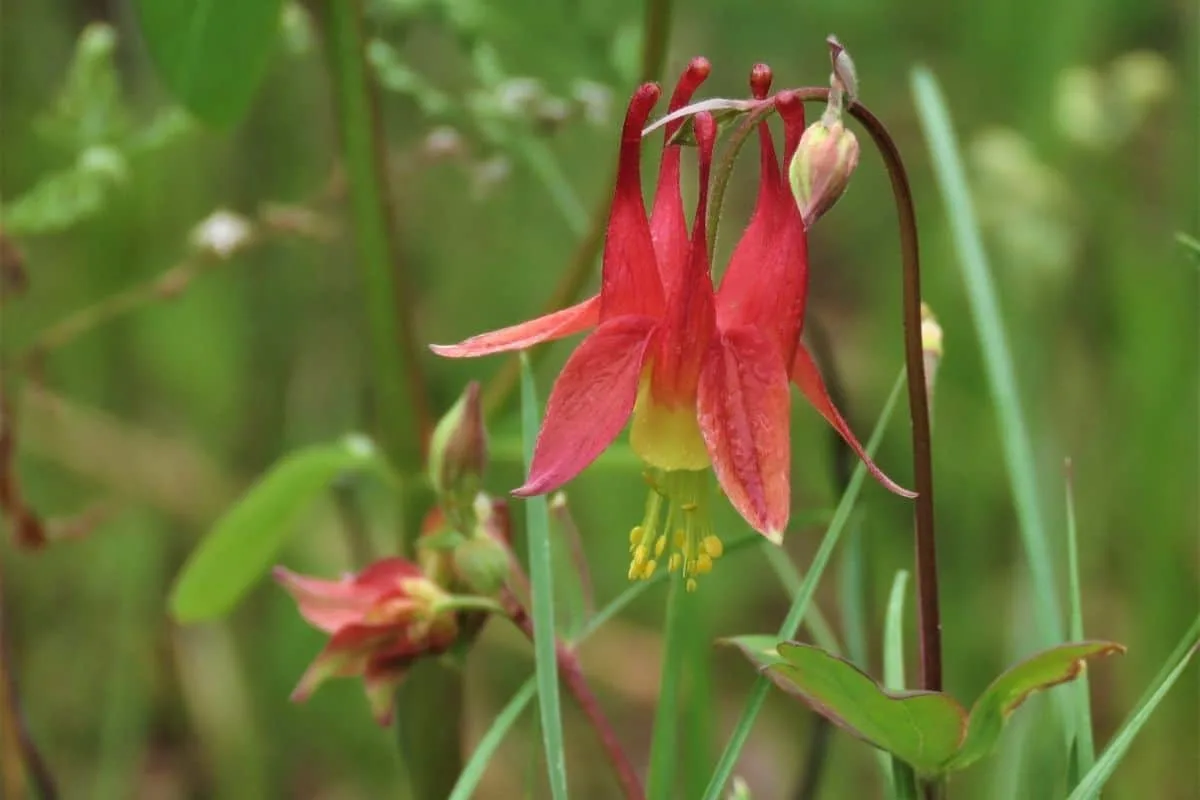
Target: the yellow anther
(691, 584)
(659, 546)
(648, 570)
(689, 567)
(633, 570)
(674, 562)
(640, 554)
(713, 546)
(680, 538)
(635, 535)
(703, 564)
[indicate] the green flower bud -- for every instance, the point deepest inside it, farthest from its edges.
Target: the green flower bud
(458, 450)
(821, 167)
(481, 562)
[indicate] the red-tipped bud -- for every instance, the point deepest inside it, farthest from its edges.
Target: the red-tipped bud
(821, 167)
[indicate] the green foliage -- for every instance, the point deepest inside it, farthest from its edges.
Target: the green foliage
(922, 728)
(212, 55)
(88, 118)
(930, 731)
(1045, 670)
(246, 541)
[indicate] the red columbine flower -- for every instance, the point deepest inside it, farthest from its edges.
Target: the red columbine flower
(379, 622)
(703, 375)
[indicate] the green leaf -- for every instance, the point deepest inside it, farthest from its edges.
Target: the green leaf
(923, 729)
(1091, 784)
(799, 608)
(541, 580)
(246, 541)
(759, 648)
(1042, 671)
(211, 54)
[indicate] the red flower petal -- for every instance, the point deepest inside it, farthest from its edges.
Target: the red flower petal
(326, 605)
(808, 378)
(630, 283)
(668, 228)
(691, 316)
(331, 605)
(590, 403)
(568, 321)
(744, 417)
(766, 283)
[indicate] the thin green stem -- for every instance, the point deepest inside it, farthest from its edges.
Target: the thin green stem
(656, 31)
(664, 766)
(1085, 746)
(401, 408)
(459, 602)
(429, 729)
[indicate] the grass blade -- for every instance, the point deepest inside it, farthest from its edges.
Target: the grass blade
(799, 607)
(541, 576)
(1083, 747)
(893, 634)
(1002, 380)
(468, 780)
(1106, 765)
(903, 781)
(663, 763)
(791, 578)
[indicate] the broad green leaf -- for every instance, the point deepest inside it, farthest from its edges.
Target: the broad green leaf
(211, 54)
(923, 729)
(759, 648)
(245, 542)
(1042, 671)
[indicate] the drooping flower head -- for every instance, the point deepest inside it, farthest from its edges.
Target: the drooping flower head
(703, 374)
(379, 621)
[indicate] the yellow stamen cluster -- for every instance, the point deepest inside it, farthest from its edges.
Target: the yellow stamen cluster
(684, 528)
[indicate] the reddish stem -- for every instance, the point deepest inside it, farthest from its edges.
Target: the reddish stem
(572, 677)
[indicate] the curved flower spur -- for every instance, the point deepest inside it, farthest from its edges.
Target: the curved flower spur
(703, 374)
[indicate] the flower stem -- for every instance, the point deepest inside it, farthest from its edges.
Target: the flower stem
(571, 675)
(402, 409)
(429, 727)
(656, 30)
(928, 612)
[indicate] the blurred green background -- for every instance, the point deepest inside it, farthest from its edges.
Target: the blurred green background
(1078, 121)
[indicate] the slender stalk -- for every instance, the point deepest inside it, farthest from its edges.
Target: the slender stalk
(401, 407)
(928, 612)
(21, 763)
(571, 675)
(656, 30)
(664, 766)
(429, 726)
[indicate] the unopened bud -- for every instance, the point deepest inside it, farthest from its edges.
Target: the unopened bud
(821, 168)
(458, 450)
(481, 564)
(931, 347)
